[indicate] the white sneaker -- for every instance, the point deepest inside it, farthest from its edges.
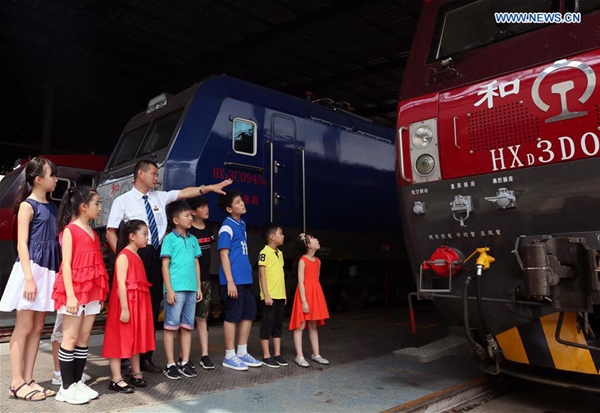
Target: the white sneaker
(86, 390)
(72, 395)
(57, 379)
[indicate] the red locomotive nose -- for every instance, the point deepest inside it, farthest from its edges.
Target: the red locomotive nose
(444, 261)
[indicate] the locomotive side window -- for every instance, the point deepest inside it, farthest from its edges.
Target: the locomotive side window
(62, 185)
(128, 145)
(244, 137)
(161, 132)
(467, 26)
(86, 179)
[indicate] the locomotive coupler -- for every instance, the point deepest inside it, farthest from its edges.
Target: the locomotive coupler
(561, 269)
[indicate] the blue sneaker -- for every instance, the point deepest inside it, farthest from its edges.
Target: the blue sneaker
(250, 361)
(235, 363)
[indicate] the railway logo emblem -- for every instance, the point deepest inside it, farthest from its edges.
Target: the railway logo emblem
(562, 88)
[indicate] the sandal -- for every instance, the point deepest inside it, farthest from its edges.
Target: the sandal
(114, 386)
(30, 397)
(45, 390)
(138, 381)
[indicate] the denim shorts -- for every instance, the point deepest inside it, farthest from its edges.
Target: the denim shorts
(181, 313)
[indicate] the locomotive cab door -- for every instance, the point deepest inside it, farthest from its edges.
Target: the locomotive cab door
(285, 177)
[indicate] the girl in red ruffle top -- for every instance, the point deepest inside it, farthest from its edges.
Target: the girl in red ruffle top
(129, 328)
(80, 288)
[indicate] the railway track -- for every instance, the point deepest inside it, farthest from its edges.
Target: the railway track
(504, 394)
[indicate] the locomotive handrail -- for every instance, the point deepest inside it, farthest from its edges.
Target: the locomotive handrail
(437, 290)
(243, 166)
(489, 299)
(455, 137)
(271, 199)
(301, 149)
(402, 154)
(561, 316)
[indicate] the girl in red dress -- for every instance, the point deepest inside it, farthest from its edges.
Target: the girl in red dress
(129, 328)
(309, 307)
(79, 290)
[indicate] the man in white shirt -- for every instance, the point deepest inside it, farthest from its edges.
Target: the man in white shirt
(142, 202)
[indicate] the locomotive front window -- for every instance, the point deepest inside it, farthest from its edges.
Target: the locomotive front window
(161, 132)
(244, 137)
(128, 145)
(466, 26)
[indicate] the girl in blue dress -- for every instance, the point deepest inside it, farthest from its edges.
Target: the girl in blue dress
(29, 287)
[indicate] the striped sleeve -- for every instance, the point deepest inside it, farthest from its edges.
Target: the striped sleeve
(225, 237)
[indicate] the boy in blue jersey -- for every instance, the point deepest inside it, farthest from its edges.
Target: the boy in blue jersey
(235, 279)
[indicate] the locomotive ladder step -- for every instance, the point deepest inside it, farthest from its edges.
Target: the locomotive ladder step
(447, 346)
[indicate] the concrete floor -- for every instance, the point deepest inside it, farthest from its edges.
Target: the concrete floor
(363, 375)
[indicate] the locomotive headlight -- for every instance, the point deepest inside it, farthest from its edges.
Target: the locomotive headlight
(424, 151)
(425, 164)
(422, 137)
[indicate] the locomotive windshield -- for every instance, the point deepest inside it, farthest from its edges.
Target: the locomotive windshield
(462, 27)
(160, 133)
(127, 147)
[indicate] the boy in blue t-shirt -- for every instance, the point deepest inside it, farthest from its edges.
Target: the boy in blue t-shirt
(181, 275)
(235, 279)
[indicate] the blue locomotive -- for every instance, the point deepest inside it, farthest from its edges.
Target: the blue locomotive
(298, 163)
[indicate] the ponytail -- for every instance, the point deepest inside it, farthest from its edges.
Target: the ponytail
(34, 168)
(22, 194)
(127, 228)
(69, 206)
(64, 210)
